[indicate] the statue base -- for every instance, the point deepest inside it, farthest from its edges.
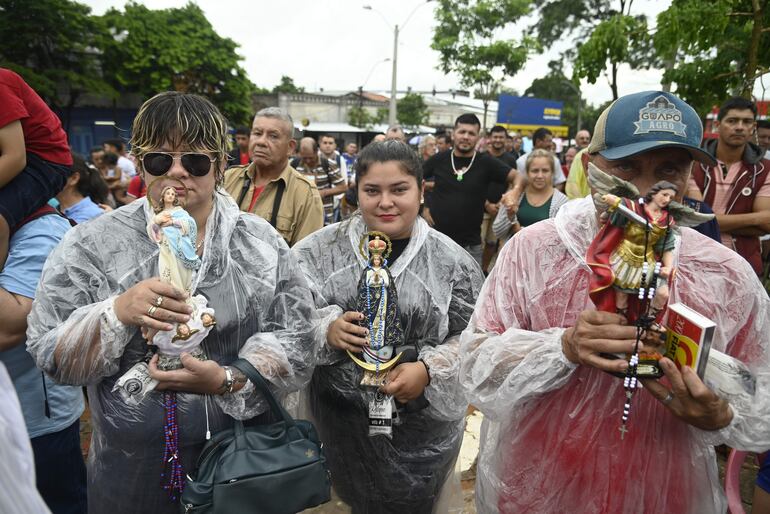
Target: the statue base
(172, 362)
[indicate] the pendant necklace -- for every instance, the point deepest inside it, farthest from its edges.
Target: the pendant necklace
(462, 171)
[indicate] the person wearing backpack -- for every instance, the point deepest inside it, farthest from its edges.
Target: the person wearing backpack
(325, 174)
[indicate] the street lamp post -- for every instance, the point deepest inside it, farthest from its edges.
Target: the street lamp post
(392, 114)
(392, 105)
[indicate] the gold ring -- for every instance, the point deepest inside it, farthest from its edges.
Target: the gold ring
(151, 310)
(158, 301)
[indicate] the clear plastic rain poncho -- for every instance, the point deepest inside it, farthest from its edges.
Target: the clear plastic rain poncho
(262, 305)
(437, 284)
(550, 442)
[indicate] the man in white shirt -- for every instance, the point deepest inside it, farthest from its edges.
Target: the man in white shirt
(17, 464)
(126, 165)
(543, 138)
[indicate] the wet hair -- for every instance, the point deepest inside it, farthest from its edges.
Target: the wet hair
(468, 119)
(737, 103)
(657, 188)
(242, 131)
(110, 159)
(496, 129)
(90, 183)
(385, 151)
(117, 143)
(181, 119)
(541, 134)
(539, 152)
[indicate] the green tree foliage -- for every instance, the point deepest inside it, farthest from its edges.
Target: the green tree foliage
(361, 117)
(714, 49)
(606, 36)
(175, 49)
(54, 46)
(556, 86)
(468, 37)
(411, 110)
(620, 39)
(287, 86)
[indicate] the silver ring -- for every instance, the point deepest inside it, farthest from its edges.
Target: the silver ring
(668, 399)
(158, 301)
(151, 310)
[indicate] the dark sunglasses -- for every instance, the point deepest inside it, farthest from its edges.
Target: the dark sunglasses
(158, 163)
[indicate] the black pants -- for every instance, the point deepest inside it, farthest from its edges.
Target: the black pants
(60, 470)
(37, 183)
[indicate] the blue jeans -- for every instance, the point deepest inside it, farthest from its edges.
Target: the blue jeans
(60, 470)
(476, 252)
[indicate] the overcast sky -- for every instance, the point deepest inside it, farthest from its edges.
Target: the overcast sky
(337, 44)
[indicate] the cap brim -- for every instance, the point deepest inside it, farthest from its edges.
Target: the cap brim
(622, 152)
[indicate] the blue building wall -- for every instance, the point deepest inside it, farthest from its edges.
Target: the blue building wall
(84, 132)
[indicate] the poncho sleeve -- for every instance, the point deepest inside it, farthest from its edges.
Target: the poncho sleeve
(736, 302)
(283, 350)
(73, 333)
(503, 361)
(445, 394)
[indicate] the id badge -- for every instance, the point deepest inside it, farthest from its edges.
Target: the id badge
(381, 415)
(135, 384)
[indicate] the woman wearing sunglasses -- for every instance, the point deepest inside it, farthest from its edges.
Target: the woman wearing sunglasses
(101, 289)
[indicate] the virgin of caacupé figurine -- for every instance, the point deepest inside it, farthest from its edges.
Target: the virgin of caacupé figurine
(175, 232)
(378, 301)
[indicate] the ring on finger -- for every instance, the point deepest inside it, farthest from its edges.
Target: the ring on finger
(151, 310)
(668, 399)
(159, 301)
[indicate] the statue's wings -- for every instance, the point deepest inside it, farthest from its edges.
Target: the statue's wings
(604, 183)
(686, 216)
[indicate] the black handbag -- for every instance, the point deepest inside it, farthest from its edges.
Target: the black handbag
(278, 468)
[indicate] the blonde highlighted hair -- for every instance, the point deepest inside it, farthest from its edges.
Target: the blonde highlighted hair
(539, 152)
(180, 120)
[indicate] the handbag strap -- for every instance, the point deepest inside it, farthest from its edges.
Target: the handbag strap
(262, 386)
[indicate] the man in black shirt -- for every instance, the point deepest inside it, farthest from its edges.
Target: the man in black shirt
(462, 177)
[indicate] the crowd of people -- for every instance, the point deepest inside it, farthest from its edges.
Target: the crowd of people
(486, 277)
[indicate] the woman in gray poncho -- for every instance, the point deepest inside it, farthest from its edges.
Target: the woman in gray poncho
(437, 283)
(99, 292)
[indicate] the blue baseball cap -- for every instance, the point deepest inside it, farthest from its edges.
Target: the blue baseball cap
(644, 121)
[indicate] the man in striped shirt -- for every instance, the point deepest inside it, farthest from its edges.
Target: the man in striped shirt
(323, 172)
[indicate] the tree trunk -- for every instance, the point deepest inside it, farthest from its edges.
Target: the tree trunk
(614, 83)
(484, 121)
(752, 57)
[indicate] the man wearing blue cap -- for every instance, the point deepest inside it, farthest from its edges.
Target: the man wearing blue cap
(532, 354)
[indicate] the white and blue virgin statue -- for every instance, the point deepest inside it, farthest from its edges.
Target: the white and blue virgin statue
(176, 233)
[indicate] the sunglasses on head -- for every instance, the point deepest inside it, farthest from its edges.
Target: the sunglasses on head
(158, 163)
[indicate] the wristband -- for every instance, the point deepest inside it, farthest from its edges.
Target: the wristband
(427, 370)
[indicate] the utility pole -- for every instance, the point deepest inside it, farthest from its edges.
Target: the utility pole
(392, 107)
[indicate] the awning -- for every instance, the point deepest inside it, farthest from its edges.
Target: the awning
(322, 126)
(527, 130)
